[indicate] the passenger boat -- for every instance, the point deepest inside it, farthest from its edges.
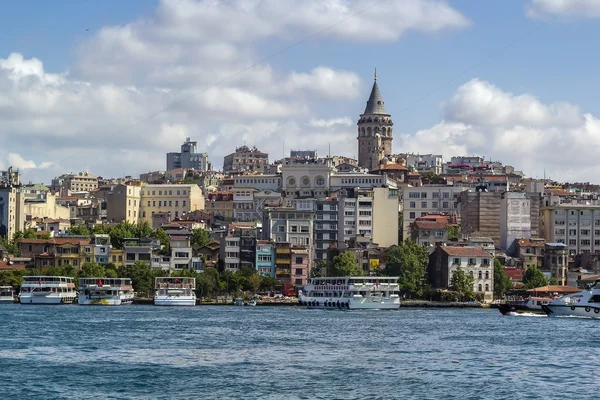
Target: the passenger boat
(351, 293)
(7, 295)
(47, 290)
(529, 305)
(175, 291)
(582, 304)
(105, 291)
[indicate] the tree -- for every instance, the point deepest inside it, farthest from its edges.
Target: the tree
(79, 230)
(453, 231)
(161, 235)
(317, 270)
(502, 282)
(462, 283)
(92, 270)
(553, 281)
(267, 283)
(142, 277)
(254, 282)
(199, 239)
(344, 264)
(534, 278)
(408, 261)
(29, 233)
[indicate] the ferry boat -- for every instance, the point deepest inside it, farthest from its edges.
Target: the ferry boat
(105, 291)
(47, 290)
(175, 291)
(582, 304)
(351, 293)
(7, 295)
(529, 305)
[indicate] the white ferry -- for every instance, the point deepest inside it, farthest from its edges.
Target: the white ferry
(7, 295)
(175, 291)
(352, 293)
(105, 291)
(582, 304)
(47, 290)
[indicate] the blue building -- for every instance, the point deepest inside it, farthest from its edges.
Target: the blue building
(265, 258)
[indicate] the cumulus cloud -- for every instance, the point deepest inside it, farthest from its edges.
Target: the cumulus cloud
(517, 129)
(17, 161)
(331, 122)
(571, 8)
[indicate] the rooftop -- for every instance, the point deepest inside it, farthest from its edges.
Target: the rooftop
(466, 251)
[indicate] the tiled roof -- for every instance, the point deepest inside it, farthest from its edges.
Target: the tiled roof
(430, 225)
(527, 243)
(515, 274)
(466, 251)
(392, 167)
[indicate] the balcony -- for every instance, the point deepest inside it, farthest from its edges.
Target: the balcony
(283, 251)
(286, 261)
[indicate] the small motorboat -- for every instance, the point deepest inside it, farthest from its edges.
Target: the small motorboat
(529, 305)
(238, 302)
(252, 302)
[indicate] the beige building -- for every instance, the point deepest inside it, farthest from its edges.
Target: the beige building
(45, 207)
(174, 198)
(575, 225)
(81, 182)
(123, 204)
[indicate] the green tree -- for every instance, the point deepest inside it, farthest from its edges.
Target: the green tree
(142, 229)
(92, 270)
(254, 282)
(11, 278)
(502, 282)
(29, 233)
(161, 235)
(344, 264)
(267, 283)
(462, 283)
(453, 231)
(79, 230)
(142, 277)
(553, 281)
(199, 239)
(408, 262)
(534, 278)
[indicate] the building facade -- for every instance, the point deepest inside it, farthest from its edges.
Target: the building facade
(265, 258)
(515, 219)
(575, 225)
(246, 159)
(188, 158)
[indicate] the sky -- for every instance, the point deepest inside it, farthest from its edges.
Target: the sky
(110, 87)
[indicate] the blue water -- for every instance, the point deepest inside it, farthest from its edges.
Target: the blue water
(145, 352)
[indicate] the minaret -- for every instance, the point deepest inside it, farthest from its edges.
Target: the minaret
(374, 131)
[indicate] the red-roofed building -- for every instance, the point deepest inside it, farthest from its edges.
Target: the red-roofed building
(474, 260)
(427, 233)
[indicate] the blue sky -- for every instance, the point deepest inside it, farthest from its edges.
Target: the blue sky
(554, 64)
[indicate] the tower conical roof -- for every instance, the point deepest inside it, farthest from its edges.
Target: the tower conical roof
(375, 102)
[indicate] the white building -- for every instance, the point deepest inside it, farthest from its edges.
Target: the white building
(188, 158)
(515, 218)
(425, 162)
(306, 178)
(428, 199)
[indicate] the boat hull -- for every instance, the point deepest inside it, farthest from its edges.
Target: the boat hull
(105, 301)
(508, 309)
(174, 300)
(350, 304)
(6, 300)
(27, 298)
(560, 310)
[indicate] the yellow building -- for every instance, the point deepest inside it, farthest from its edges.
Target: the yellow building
(46, 207)
(117, 256)
(123, 204)
(174, 198)
(72, 251)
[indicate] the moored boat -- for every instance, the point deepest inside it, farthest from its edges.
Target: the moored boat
(7, 294)
(175, 291)
(582, 304)
(105, 291)
(47, 290)
(238, 302)
(351, 293)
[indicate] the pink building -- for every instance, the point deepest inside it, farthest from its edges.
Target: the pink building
(300, 265)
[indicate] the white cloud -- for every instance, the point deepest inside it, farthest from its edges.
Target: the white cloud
(197, 69)
(570, 8)
(17, 161)
(519, 130)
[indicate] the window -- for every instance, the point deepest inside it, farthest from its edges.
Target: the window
(183, 203)
(446, 195)
(439, 233)
(480, 287)
(423, 195)
(130, 257)
(304, 229)
(412, 215)
(480, 276)
(472, 261)
(445, 204)
(434, 204)
(485, 261)
(487, 274)
(298, 260)
(435, 195)
(423, 204)
(294, 229)
(572, 232)
(153, 203)
(148, 203)
(456, 261)
(298, 271)
(412, 204)
(585, 242)
(487, 287)
(413, 195)
(177, 203)
(320, 181)
(585, 232)
(572, 242)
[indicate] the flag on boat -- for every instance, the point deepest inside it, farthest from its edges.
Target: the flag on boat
(377, 283)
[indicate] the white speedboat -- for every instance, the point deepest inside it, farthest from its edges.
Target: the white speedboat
(582, 304)
(175, 291)
(47, 290)
(351, 293)
(7, 295)
(105, 291)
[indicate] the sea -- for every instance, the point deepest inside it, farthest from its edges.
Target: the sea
(227, 352)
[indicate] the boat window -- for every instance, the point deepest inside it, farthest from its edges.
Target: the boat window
(594, 299)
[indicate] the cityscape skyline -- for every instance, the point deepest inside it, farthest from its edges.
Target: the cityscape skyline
(94, 103)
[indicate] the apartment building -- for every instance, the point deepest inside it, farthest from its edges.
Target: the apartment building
(188, 158)
(575, 225)
(428, 199)
(220, 204)
(300, 265)
(175, 198)
(44, 205)
(12, 210)
(431, 163)
(480, 214)
(326, 226)
(123, 204)
(246, 159)
(265, 258)
(81, 182)
(515, 219)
